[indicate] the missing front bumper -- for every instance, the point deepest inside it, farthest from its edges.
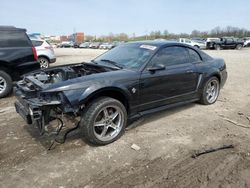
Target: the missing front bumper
(24, 113)
(36, 112)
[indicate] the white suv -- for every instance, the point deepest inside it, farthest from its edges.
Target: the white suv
(45, 52)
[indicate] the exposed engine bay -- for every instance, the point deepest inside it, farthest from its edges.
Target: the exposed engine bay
(63, 73)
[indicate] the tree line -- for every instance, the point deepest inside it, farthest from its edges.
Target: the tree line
(217, 32)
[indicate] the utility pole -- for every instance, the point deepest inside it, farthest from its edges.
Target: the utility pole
(74, 34)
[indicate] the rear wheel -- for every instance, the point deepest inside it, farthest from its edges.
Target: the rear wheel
(44, 62)
(217, 47)
(239, 46)
(210, 91)
(196, 46)
(5, 84)
(104, 121)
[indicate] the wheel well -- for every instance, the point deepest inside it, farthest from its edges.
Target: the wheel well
(210, 76)
(217, 76)
(110, 93)
(6, 69)
(43, 56)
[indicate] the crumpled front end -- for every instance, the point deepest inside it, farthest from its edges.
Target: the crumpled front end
(38, 107)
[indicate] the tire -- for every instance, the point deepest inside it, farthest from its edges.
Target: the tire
(239, 46)
(44, 62)
(207, 90)
(5, 84)
(217, 47)
(196, 46)
(100, 119)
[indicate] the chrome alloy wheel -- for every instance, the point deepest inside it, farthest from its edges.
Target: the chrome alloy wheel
(212, 91)
(3, 84)
(108, 123)
(44, 63)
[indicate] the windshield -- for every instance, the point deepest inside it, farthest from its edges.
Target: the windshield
(129, 56)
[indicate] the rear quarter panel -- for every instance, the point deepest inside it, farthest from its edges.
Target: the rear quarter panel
(18, 60)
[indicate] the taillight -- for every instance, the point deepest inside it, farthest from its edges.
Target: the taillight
(34, 53)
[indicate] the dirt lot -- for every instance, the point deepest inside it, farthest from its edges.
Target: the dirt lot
(167, 141)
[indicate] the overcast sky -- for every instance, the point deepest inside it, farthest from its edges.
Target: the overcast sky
(100, 17)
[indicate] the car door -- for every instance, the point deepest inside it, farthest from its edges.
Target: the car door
(174, 81)
(230, 43)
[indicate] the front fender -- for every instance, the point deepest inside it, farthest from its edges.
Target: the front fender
(97, 89)
(77, 97)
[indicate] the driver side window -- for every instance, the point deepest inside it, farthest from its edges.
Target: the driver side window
(168, 56)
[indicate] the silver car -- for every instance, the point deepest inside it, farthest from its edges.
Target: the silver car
(106, 45)
(45, 52)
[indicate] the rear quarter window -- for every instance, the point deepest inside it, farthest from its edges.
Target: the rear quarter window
(14, 39)
(37, 43)
(193, 55)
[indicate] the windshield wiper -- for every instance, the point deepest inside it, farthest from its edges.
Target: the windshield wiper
(112, 62)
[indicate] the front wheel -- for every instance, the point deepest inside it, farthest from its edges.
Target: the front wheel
(210, 91)
(104, 121)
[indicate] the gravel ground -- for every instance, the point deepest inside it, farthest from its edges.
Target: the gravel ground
(166, 139)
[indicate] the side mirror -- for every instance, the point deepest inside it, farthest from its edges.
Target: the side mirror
(156, 67)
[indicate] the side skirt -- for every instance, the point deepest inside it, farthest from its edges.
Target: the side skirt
(161, 108)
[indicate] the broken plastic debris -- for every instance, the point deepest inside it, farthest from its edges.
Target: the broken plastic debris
(135, 147)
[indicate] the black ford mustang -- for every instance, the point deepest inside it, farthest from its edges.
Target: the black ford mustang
(126, 82)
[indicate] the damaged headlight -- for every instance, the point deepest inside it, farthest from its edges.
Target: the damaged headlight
(48, 97)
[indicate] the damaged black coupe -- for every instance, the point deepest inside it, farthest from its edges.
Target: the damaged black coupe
(122, 84)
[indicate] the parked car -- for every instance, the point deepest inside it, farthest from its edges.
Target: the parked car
(45, 52)
(95, 45)
(227, 43)
(198, 39)
(124, 83)
(209, 42)
(65, 45)
(17, 57)
(76, 45)
(196, 44)
(84, 45)
(106, 46)
(117, 43)
(54, 45)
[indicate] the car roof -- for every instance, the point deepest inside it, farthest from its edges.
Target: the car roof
(11, 28)
(159, 43)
